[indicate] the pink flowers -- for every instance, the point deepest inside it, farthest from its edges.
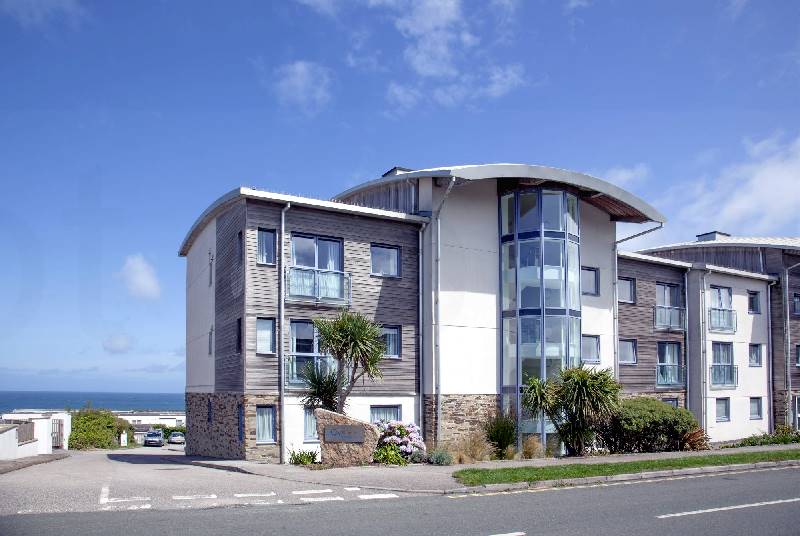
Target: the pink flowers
(407, 437)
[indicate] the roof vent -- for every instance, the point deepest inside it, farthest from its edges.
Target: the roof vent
(396, 170)
(712, 235)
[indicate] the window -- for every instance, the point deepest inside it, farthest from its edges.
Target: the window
(239, 247)
(385, 260)
(313, 252)
(384, 413)
(553, 273)
(590, 348)
(627, 351)
(317, 270)
(756, 409)
(239, 335)
(671, 401)
(626, 290)
(552, 212)
(796, 302)
(753, 302)
(507, 214)
(265, 424)
(723, 409)
(209, 411)
(508, 262)
(668, 295)
(391, 339)
(721, 298)
(309, 425)
(304, 340)
(530, 272)
(266, 247)
(755, 355)
(240, 416)
(528, 212)
(797, 355)
(669, 371)
(590, 281)
(265, 335)
(572, 214)
(723, 371)
(210, 340)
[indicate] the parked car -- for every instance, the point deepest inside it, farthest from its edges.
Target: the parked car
(154, 438)
(176, 437)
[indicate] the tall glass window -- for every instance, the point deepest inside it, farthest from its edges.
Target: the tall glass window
(541, 294)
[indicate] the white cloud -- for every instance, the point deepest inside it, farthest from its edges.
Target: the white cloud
(325, 7)
(304, 85)
(118, 343)
(625, 176)
(572, 5)
(434, 28)
(140, 278)
(38, 13)
(504, 79)
(735, 8)
(361, 56)
(402, 98)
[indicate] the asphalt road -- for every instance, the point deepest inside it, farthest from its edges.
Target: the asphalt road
(764, 502)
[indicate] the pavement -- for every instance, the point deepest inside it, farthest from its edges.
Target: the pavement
(760, 501)
(6, 466)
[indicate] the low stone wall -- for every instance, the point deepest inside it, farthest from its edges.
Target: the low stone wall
(660, 395)
(461, 415)
(212, 425)
(345, 454)
(265, 452)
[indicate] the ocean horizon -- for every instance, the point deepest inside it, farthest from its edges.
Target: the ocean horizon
(11, 400)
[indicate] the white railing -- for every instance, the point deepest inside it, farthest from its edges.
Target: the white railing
(667, 317)
(318, 286)
(722, 320)
(670, 375)
(724, 375)
(296, 365)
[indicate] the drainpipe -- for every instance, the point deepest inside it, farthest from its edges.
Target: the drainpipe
(281, 299)
(420, 329)
(788, 331)
(437, 310)
(615, 283)
(686, 335)
(770, 414)
(703, 351)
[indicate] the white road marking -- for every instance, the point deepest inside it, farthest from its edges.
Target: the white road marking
(192, 497)
(311, 491)
(128, 499)
(726, 508)
(509, 534)
(321, 499)
(104, 494)
(352, 489)
(242, 495)
(378, 496)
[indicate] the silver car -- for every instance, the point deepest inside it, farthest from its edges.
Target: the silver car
(177, 438)
(154, 438)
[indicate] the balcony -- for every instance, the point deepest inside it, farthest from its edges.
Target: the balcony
(296, 364)
(724, 376)
(670, 375)
(313, 285)
(670, 318)
(723, 320)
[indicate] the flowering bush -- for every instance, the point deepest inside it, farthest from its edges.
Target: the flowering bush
(406, 437)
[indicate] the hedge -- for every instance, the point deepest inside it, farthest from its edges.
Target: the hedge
(646, 425)
(99, 429)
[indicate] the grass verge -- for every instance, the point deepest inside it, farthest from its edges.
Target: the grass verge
(477, 477)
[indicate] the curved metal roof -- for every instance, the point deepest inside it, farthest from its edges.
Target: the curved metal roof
(781, 242)
(620, 204)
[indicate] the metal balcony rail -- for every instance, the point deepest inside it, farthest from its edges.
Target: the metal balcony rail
(667, 317)
(296, 365)
(318, 286)
(722, 320)
(670, 375)
(724, 375)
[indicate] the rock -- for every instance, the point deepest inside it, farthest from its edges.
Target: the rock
(342, 454)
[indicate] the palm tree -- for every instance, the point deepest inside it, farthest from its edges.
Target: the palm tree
(356, 344)
(575, 403)
(321, 388)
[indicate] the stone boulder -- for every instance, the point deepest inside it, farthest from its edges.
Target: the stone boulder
(354, 443)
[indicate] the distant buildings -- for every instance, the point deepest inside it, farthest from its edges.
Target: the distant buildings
(481, 276)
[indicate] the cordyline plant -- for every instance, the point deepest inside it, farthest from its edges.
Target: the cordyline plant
(575, 402)
(322, 388)
(356, 344)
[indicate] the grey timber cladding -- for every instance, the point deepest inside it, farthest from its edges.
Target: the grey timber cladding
(636, 322)
(229, 299)
(741, 258)
(388, 301)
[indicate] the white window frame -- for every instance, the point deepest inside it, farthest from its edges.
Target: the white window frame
(632, 282)
(596, 272)
(757, 295)
(397, 252)
(308, 413)
(760, 355)
(271, 349)
(385, 406)
(727, 401)
(272, 254)
(597, 345)
(635, 352)
(274, 425)
(760, 415)
(399, 331)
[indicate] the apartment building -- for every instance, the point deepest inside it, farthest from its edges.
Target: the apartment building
(481, 277)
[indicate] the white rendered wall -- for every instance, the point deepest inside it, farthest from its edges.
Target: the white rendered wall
(65, 416)
(598, 234)
(8, 444)
(200, 312)
(469, 289)
(358, 407)
(170, 420)
(753, 381)
(43, 432)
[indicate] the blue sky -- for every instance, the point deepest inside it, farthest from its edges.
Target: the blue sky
(120, 122)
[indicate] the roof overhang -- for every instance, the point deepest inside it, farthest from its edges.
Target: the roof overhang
(234, 196)
(694, 266)
(620, 204)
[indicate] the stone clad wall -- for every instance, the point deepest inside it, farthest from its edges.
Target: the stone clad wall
(461, 415)
(345, 454)
(218, 438)
(661, 395)
(265, 452)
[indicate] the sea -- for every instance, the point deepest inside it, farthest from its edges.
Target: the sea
(11, 400)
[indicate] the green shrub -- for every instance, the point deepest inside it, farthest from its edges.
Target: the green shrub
(501, 431)
(169, 429)
(418, 456)
(646, 425)
(389, 455)
(302, 457)
(440, 457)
(98, 429)
(783, 435)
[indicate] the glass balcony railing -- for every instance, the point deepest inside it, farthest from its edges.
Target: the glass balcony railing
(722, 320)
(317, 286)
(296, 366)
(670, 375)
(724, 375)
(666, 317)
